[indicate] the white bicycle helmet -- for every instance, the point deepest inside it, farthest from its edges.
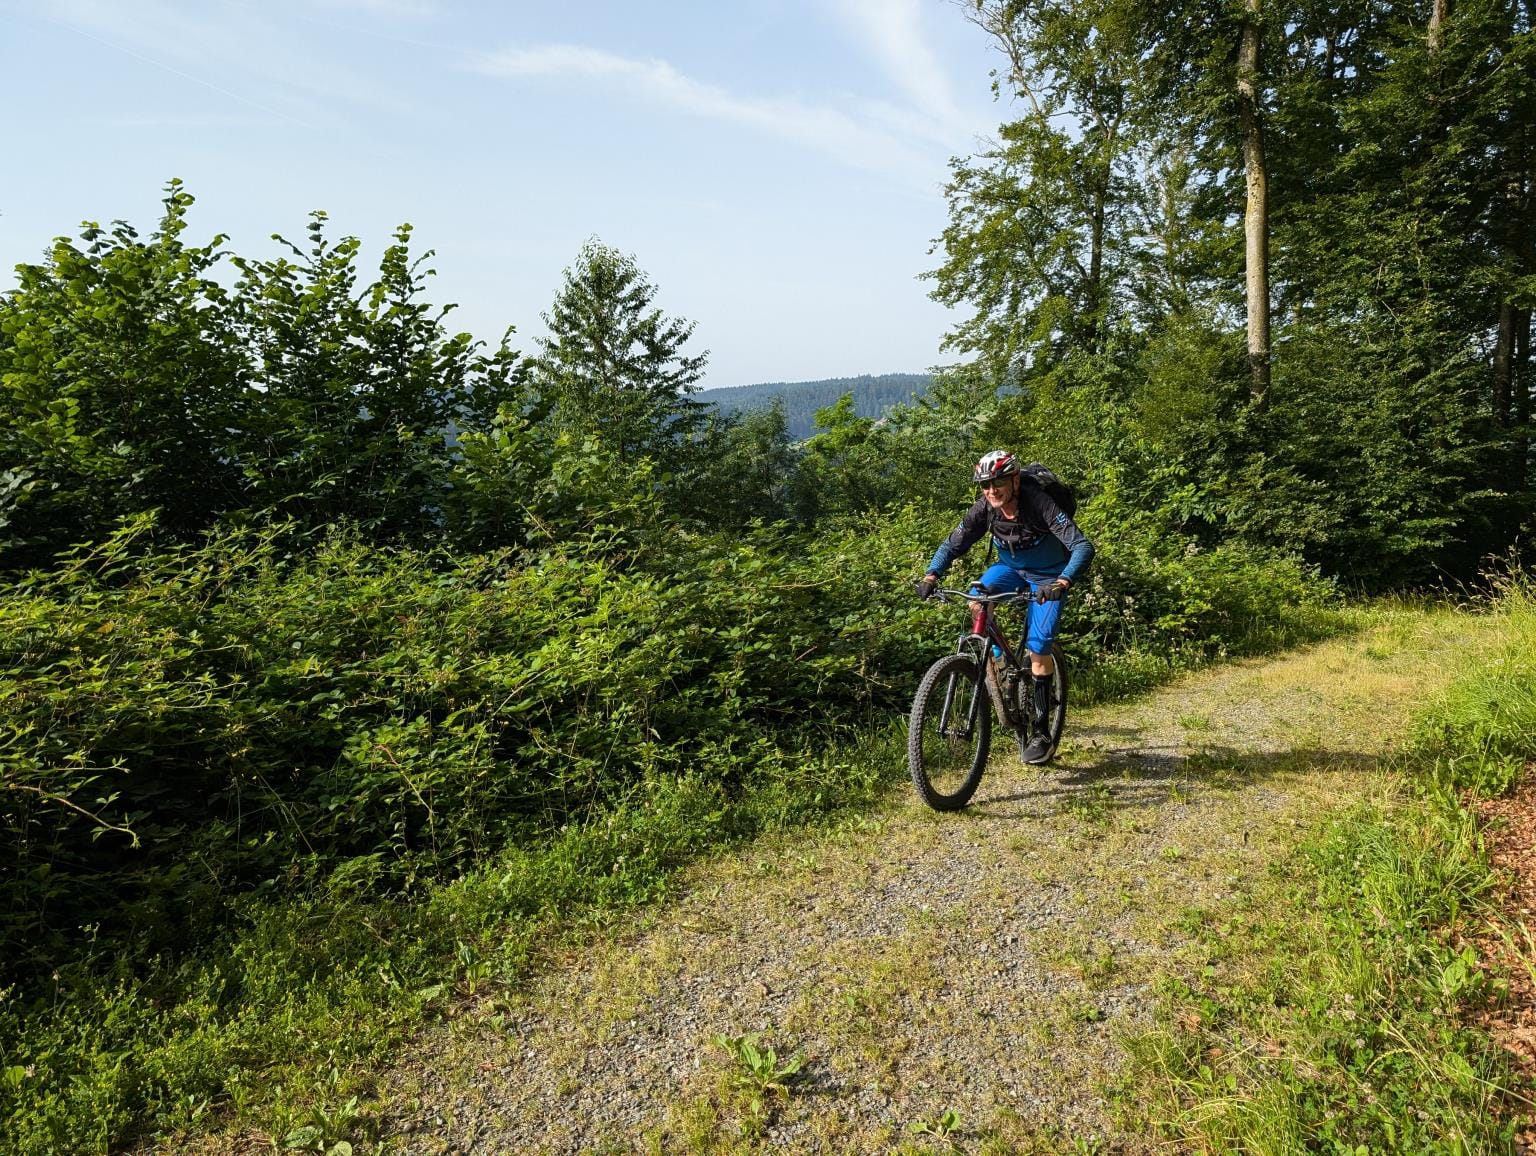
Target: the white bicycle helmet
(995, 464)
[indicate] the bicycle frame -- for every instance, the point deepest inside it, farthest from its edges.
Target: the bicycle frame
(984, 634)
(985, 631)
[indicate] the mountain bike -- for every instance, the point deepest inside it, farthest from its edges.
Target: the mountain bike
(960, 694)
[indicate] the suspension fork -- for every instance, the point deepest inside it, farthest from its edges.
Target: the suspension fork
(949, 701)
(978, 644)
(973, 710)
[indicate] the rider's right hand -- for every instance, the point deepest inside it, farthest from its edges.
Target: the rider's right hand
(926, 585)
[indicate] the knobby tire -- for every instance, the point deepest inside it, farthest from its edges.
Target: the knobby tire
(943, 747)
(1057, 719)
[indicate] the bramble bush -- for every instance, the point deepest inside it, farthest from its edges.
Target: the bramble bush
(258, 714)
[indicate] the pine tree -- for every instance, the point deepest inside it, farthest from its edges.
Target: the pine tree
(613, 365)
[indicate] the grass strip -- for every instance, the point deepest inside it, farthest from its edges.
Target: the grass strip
(1334, 1010)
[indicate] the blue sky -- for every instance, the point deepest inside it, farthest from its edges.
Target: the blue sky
(776, 166)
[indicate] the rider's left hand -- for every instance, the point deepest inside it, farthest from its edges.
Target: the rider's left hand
(1053, 591)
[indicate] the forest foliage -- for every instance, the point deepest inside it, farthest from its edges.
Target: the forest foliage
(398, 611)
(304, 590)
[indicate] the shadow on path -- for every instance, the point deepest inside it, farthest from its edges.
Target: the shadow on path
(1149, 777)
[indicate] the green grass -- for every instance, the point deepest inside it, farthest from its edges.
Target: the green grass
(1334, 1012)
(1481, 725)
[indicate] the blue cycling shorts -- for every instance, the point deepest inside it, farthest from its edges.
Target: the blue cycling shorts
(1044, 617)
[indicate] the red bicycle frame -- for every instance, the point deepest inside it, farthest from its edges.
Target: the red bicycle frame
(984, 626)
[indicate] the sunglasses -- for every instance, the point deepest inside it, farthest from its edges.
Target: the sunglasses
(994, 484)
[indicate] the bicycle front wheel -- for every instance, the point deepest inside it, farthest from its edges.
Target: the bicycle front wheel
(950, 732)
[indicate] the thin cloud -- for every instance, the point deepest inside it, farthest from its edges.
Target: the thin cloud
(854, 139)
(234, 49)
(892, 31)
(210, 121)
(409, 8)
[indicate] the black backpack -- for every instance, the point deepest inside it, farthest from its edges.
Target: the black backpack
(1060, 492)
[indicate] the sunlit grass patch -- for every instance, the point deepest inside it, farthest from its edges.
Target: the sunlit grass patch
(1481, 721)
(1329, 1017)
(1332, 1013)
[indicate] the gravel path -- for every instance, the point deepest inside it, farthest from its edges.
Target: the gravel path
(990, 963)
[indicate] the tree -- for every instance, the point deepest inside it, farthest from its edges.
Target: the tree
(1343, 192)
(133, 381)
(1250, 82)
(750, 467)
(613, 364)
(121, 371)
(358, 390)
(846, 467)
(1040, 226)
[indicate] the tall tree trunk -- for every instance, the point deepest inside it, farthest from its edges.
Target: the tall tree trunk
(1504, 363)
(1439, 12)
(1096, 272)
(1108, 129)
(1522, 369)
(1514, 322)
(1521, 379)
(1256, 218)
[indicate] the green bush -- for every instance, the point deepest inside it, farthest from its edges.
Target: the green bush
(259, 715)
(264, 716)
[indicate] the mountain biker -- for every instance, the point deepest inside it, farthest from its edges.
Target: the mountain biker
(1038, 546)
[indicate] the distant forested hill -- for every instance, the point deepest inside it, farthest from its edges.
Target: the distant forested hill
(872, 396)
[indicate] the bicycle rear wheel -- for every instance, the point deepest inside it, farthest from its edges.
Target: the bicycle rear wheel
(950, 732)
(1056, 715)
(1056, 720)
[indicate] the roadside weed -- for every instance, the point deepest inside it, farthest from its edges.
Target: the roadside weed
(941, 1127)
(321, 1127)
(757, 1069)
(756, 1075)
(1091, 960)
(473, 970)
(1092, 806)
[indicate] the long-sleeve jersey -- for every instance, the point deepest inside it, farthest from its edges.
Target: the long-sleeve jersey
(1042, 541)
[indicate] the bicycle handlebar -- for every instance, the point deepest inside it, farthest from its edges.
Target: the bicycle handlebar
(971, 596)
